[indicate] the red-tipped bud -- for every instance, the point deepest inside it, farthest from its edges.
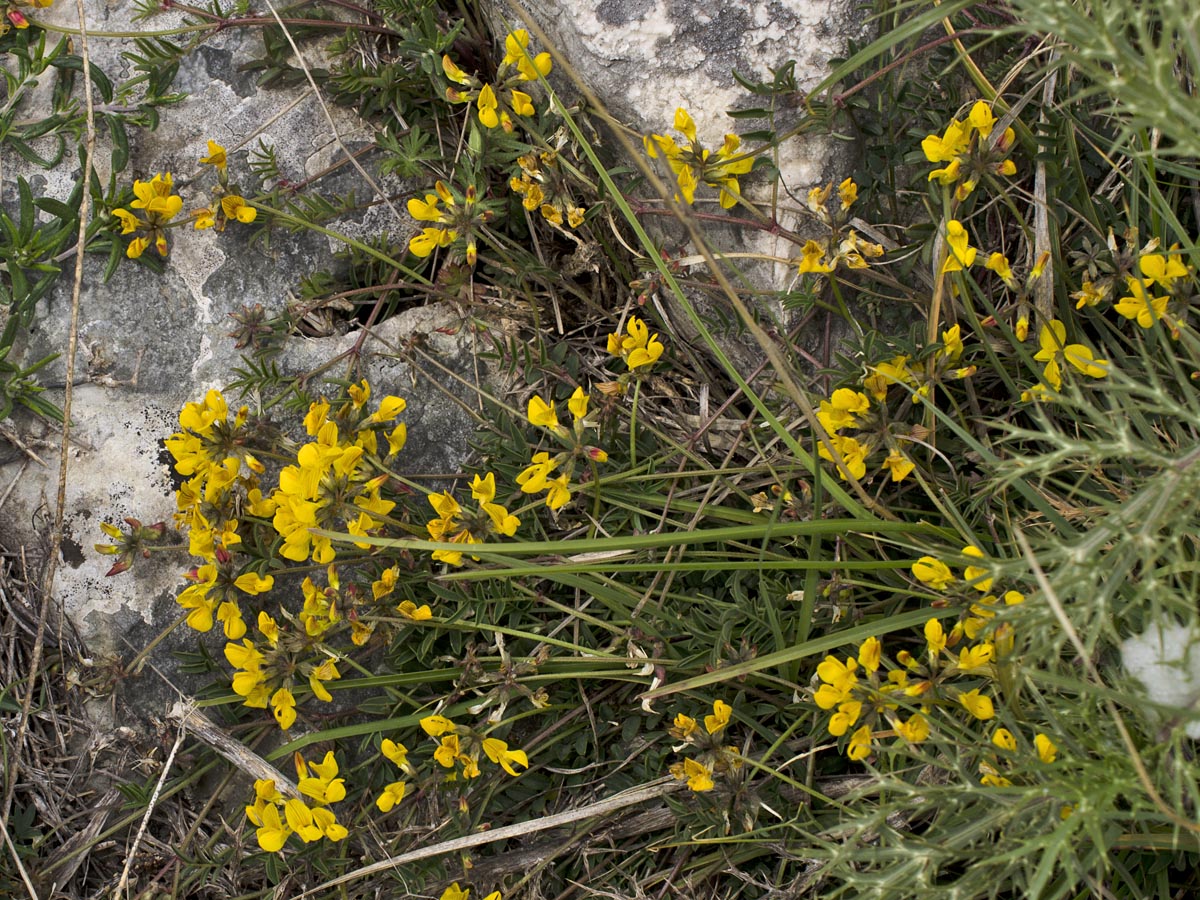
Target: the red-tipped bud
(118, 567)
(18, 20)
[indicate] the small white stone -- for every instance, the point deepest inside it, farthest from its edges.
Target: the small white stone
(1166, 660)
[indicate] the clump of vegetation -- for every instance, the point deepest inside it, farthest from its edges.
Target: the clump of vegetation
(852, 633)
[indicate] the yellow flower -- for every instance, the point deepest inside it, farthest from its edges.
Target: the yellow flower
(436, 726)
(952, 343)
(235, 207)
(392, 794)
(430, 239)
(283, 706)
(976, 574)
(998, 263)
(847, 714)
(812, 259)
(216, 156)
(935, 637)
(1162, 270)
(981, 118)
(541, 413)
(1090, 294)
(515, 52)
(637, 347)
(933, 572)
(453, 72)
(949, 146)
(1046, 750)
(1053, 346)
(578, 404)
(522, 104)
(698, 775)
(860, 744)
(1003, 739)
(847, 193)
(719, 718)
(899, 465)
(959, 252)
(852, 451)
(683, 727)
(397, 753)
(869, 652)
(991, 777)
(971, 658)
(447, 752)
(414, 613)
(487, 105)
(271, 832)
(1139, 305)
(915, 730)
(977, 704)
(497, 751)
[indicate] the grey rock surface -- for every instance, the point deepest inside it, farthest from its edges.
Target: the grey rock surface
(644, 58)
(150, 342)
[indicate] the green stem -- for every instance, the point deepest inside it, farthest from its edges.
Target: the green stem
(345, 239)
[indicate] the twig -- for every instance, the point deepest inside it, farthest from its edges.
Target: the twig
(17, 859)
(162, 779)
(192, 719)
(85, 205)
(651, 791)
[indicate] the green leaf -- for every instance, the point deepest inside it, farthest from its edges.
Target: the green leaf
(120, 139)
(55, 208)
(27, 218)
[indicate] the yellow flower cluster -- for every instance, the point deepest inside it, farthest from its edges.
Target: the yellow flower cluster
(864, 691)
(694, 165)
(459, 748)
(968, 153)
(454, 526)
(158, 207)
(542, 185)
(537, 476)
(842, 247)
(494, 103)
(332, 482)
(858, 422)
(637, 347)
(308, 817)
(452, 216)
(711, 756)
(231, 205)
(222, 505)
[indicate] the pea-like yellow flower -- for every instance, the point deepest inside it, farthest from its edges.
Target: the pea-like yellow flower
(959, 252)
(392, 794)
(541, 413)
(977, 704)
(216, 156)
(516, 53)
(497, 751)
(720, 717)
(933, 572)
